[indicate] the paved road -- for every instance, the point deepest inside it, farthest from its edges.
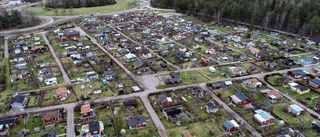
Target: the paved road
(6, 48)
(229, 110)
(152, 81)
(64, 74)
(131, 75)
(70, 122)
(308, 69)
(49, 20)
(157, 122)
(149, 82)
(294, 55)
(190, 49)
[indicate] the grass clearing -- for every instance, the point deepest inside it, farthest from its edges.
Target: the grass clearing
(17, 128)
(303, 118)
(105, 92)
(119, 6)
(212, 76)
(191, 77)
(294, 94)
(199, 129)
(48, 98)
(33, 101)
(33, 122)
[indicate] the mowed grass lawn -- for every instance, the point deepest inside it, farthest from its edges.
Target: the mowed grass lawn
(249, 117)
(212, 76)
(49, 100)
(187, 78)
(304, 120)
(199, 129)
(192, 77)
(294, 94)
(225, 92)
(119, 6)
(104, 92)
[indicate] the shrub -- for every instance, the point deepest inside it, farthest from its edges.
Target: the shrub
(219, 95)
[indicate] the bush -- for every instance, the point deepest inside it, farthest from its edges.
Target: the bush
(248, 35)
(219, 95)
(209, 84)
(2, 81)
(118, 125)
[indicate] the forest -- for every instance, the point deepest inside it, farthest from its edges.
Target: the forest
(77, 3)
(15, 20)
(294, 16)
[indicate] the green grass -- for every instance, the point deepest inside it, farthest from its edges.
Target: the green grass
(303, 118)
(313, 101)
(58, 130)
(96, 84)
(139, 110)
(245, 66)
(24, 86)
(60, 124)
(49, 100)
(294, 94)
(17, 128)
(77, 114)
(249, 116)
(33, 122)
(134, 111)
(273, 80)
(187, 78)
(226, 92)
(199, 129)
(8, 87)
(46, 56)
(191, 77)
(268, 38)
(141, 132)
(212, 76)
(33, 101)
(104, 113)
(119, 6)
(296, 59)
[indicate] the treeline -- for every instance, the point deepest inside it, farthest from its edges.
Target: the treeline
(15, 20)
(77, 3)
(31, 1)
(295, 16)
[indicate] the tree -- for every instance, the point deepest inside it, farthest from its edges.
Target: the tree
(314, 24)
(15, 18)
(56, 12)
(70, 10)
(267, 19)
(63, 11)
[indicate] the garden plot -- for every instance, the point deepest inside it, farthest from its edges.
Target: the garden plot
(87, 90)
(50, 99)
(37, 126)
(195, 119)
(302, 121)
(75, 72)
(100, 112)
(120, 115)
(257, 101)
(187, 78)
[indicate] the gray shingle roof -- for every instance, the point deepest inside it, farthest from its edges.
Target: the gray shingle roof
(241, 96)
(136, 120)
(18, 99)
(95, 126)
